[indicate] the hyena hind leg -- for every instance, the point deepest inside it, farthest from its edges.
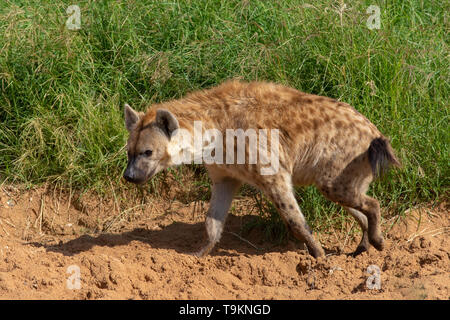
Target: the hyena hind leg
(362, 221)
(282, 195)
(221, 198)
(366, 211)
(370, 207)
(349, 191)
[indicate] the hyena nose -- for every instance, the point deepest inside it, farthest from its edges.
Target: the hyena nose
(129, 176)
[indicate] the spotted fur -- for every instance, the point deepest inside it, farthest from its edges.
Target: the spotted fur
(323, 142)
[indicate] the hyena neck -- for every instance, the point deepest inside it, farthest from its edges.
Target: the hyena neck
(181, 147)
(188, 143)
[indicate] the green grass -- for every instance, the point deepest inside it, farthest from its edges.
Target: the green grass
(62, 91)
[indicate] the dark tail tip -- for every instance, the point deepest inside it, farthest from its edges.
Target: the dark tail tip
(381, 156)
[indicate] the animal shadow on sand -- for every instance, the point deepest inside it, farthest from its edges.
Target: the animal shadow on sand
(183, 238)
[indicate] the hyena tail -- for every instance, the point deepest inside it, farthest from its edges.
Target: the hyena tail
(381, 156)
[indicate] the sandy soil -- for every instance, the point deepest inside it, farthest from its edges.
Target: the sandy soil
(46, 237)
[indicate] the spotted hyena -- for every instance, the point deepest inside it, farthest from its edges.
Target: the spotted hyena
(321, 141)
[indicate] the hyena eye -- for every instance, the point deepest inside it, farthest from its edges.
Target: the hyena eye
(148, 153)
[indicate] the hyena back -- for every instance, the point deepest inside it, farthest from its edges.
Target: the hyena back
(321, 141)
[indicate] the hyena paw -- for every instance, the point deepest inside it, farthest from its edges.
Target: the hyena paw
(377, 242)
(195, 254)
(201, 253)
(360, 249)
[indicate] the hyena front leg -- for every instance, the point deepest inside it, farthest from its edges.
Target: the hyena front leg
(281, 193)
(221, 198)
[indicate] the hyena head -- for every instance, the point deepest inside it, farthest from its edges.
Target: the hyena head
(147, 144)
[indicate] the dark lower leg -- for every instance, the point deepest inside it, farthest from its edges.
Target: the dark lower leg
(362, 221)
(371, 209)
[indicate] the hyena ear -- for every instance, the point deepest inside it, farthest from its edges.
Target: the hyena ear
(166, 121)
(131, 118)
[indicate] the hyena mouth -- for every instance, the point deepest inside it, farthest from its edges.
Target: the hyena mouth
(133, 180)
(139, 177)
(133, 174)
(150, 175)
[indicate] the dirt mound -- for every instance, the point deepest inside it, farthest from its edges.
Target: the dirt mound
(59, 246)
